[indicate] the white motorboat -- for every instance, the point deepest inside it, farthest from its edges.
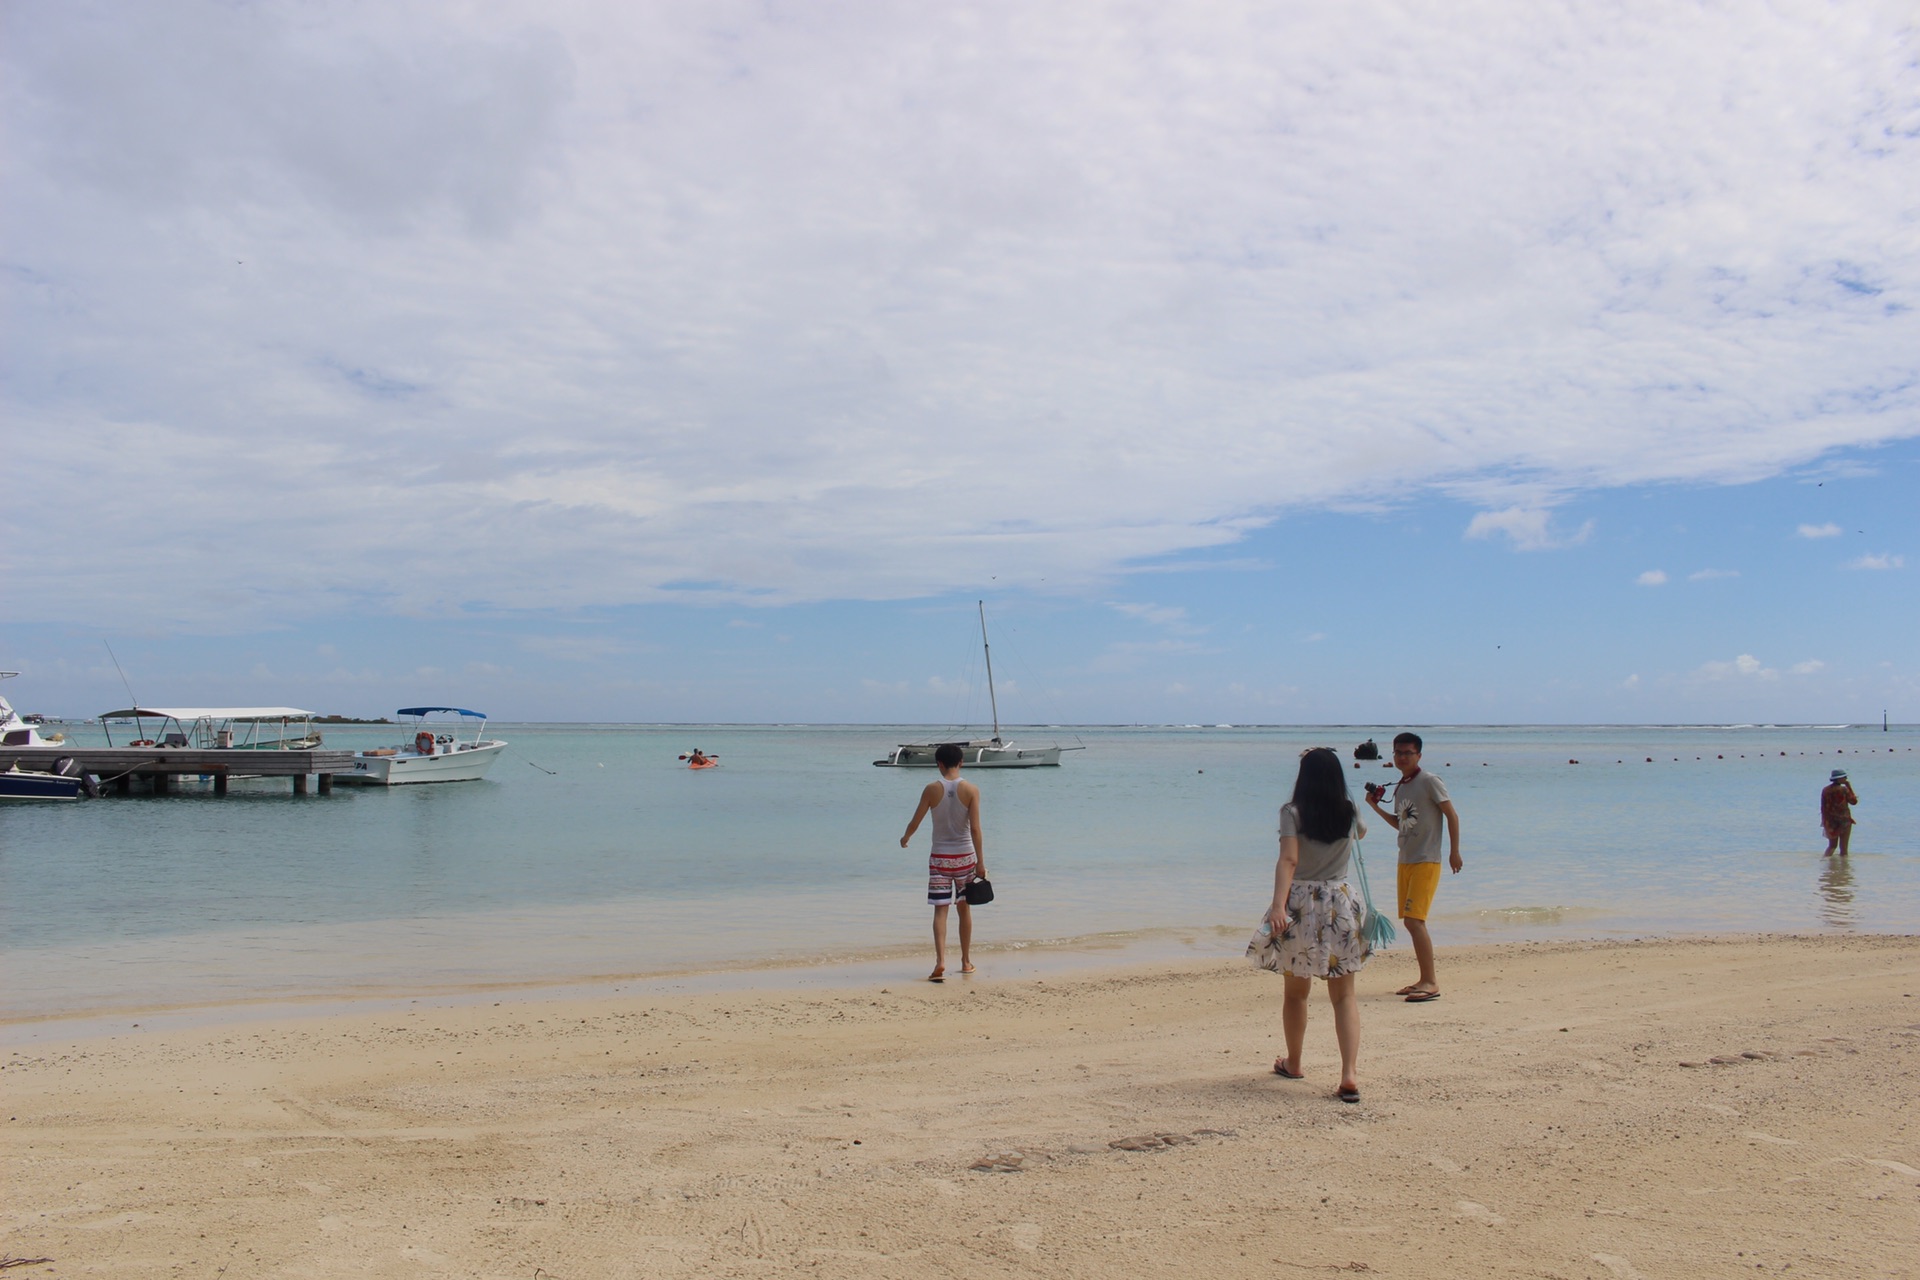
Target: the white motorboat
(436, 754)
(977, 753)
(16, 732)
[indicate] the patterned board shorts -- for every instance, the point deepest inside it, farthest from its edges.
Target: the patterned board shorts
(943, 890)
(1328, 936)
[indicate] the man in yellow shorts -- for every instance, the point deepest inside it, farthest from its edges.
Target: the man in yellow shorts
(1420, 801)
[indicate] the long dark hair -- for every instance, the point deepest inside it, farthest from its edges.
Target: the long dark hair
(1320, 796)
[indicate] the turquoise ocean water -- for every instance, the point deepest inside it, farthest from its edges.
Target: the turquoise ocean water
(590, 853)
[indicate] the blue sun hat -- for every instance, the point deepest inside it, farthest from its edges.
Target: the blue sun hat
(1838, 775)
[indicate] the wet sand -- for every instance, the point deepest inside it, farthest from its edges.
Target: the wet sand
(1719, 1107)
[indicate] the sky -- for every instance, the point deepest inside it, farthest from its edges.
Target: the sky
(1279, 363)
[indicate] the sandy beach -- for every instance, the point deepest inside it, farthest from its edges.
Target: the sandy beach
(1657, 1108)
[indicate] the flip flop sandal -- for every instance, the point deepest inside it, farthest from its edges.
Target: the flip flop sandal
(1423, 997)
(1280, 1069)
(1348, 1095)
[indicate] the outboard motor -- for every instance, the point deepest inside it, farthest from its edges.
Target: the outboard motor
(68, 767)
(1367, 750)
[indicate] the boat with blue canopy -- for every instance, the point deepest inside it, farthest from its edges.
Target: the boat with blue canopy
(438, 752)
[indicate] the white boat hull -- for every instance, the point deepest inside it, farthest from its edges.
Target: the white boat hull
(463, 762)
(973, 755)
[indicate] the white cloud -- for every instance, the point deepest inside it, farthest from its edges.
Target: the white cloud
(1709, 575)
(1652, 578)
(1807, 668)
(1744, 667)
(1530, 528)
(1885, 560)
(742, 624)
(528, 306)
(1819, 530)
(1631, 682)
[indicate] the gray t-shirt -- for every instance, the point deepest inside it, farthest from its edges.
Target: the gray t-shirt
(1318, 860)
(1423, 828)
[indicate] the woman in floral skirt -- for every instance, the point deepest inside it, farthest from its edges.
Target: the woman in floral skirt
(1318, 914)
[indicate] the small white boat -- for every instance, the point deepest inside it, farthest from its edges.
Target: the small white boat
(978, 753)
(436, 753)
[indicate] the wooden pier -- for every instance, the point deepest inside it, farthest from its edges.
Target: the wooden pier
(157, 767)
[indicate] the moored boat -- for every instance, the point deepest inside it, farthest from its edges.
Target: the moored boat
(23, 731)
(27, 784)
(978, 753)
(218, 728)
(436, 754)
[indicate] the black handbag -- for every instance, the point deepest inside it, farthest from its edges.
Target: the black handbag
(978, 892)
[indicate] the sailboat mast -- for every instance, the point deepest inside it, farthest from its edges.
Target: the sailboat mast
(987, 649)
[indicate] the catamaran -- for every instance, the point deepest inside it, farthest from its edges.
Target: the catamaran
(978, 753)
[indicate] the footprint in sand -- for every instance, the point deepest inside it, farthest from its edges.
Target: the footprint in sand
(1732, 1059)
(1017, 1161)
(1754, 1135)
(1478, 1212)
(1150, 1142)
(1618, 1265)
(1443, 1164)
(1000, 1162)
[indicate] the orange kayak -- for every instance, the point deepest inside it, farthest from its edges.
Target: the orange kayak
(701, 764)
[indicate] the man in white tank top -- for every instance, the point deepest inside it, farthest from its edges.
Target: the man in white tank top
(958, 854)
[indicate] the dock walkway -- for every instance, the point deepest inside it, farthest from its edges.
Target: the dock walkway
(158, 766)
